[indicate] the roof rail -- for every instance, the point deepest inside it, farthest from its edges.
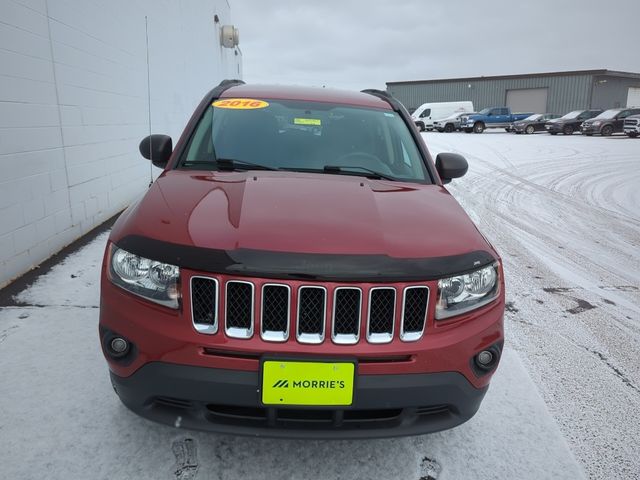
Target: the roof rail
(384, 95)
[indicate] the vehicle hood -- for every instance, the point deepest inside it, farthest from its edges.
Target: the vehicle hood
(301, 213)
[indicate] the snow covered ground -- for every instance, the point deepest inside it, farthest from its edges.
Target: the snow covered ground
(562, 213)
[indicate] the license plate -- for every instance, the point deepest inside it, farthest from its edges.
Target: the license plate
(287, 382)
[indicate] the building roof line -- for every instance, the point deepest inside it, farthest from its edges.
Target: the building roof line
(530, 75)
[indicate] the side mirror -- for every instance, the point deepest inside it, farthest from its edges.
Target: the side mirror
(157, 148)
(451, 165)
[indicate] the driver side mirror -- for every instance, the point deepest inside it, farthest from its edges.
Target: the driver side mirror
(450, 166)
(157, 148)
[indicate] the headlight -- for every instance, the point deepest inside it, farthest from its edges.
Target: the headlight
(596, 123)
(467, 292)
(155, 281)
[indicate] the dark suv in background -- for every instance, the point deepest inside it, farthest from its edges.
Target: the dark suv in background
(570, 123)
(608, 122)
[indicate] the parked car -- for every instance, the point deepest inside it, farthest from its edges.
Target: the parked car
(451, 123)
(570, 122)
(534, 123)
(492, 117)
(277, 282)
(427, 113)
(631, 126)
(608, 122)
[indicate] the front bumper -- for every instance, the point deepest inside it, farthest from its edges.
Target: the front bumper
(590, 130)
(632, 129)
(228, 401)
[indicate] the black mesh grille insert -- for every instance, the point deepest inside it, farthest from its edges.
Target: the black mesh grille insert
(239, 305)
(203, 300)
(415, 309)
(311, 310)
(381, 310)
(275, 308)
(346, 311)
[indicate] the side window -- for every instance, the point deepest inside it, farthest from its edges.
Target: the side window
(624, 114)
(426, 113)
(583, 116)
(504, 111)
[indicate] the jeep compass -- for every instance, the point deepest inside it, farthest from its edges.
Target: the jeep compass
(299, 270)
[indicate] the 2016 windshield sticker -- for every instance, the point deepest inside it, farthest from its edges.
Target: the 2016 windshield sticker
(307, 121)
(240, 103)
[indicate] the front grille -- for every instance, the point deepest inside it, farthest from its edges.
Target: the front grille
(346, 315)
(204, 304)
(239, 309)
(341, 309)
(275, 312)
(414, 313)
(382, 312)
(312, 307)
(631, 122)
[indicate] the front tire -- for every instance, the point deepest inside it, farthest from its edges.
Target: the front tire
(448, 128)
(529, 129)
(632, 134)
(420, 126)
(567, 130)
(606, 131)
(478, 127)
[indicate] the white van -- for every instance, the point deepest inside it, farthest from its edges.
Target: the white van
(427, 113)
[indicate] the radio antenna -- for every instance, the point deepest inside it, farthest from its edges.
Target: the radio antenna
(146, 31)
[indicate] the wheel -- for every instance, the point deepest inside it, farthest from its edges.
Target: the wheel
(589, 134)
(508, 130)
(632, 134)
(530, 129)
(478, 127)
(567, 130)
(449, 128)
(420, 126)
(553, 133)
(606, 130)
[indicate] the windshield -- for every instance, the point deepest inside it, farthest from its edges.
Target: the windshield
(573, 114)
(532, 117)
(304, 136)
(607, 114)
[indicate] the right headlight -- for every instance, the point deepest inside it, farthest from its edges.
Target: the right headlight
(462, 293)
(155, 281)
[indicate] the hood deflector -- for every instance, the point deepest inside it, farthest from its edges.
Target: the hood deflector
(305, 266)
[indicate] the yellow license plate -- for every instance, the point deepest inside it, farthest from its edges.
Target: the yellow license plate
(307, 383)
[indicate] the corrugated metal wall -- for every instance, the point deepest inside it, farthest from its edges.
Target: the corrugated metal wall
(566, 92)
(611, 92)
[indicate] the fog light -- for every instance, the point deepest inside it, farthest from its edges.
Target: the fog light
(119, 347)
(485, 358)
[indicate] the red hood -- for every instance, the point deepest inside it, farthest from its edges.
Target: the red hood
(302, 213)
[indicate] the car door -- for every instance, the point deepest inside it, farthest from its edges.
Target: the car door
(618, 122)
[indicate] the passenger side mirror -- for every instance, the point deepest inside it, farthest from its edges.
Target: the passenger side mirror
(157, 148)
(451, 165)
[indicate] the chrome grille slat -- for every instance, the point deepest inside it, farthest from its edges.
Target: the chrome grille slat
(382, 314)
(204, 304)
(275, 312)
(347, 310)
(312, 310)
(239, 308)
(414, 313)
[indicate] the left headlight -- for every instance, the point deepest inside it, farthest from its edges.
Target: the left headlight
(155, 281)
(463, 293)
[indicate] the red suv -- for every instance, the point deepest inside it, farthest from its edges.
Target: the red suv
(299, 270)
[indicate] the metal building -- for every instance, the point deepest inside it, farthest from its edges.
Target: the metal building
(556, 92)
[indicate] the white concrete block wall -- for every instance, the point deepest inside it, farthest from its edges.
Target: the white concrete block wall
(73, 108)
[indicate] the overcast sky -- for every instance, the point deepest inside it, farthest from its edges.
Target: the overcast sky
(360, 44)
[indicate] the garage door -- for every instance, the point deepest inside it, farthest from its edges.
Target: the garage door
(528, 100)
(633, 97)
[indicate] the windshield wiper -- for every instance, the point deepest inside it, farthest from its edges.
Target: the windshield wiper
(228, 164)
(345, 169)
